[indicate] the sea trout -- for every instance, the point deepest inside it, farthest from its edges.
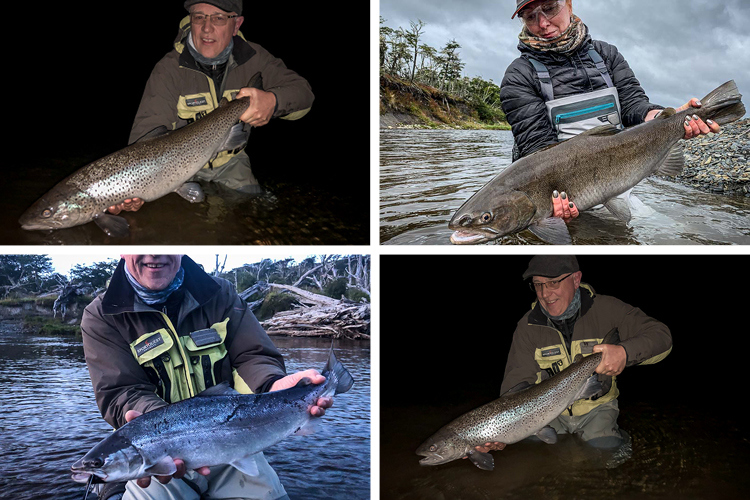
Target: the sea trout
(147, 169)
(592, 168)
(516, 415)
(219, 426)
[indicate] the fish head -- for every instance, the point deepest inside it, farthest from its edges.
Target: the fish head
(442, 447)
(113, 459)
(57, 209)
(490, 214)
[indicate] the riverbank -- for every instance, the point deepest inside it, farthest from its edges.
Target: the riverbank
(406, 104)
(719, 163)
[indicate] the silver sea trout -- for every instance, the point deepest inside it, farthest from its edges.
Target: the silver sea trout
(516, 415)
(219, 426)
(593, 168)
(148, 169)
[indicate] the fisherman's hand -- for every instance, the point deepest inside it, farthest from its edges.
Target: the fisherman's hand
(262, 106)
(695, 126)
(613, 361)
(563, 207)
(489, 446)
(144, 482)
(316, 378)
(131, 205)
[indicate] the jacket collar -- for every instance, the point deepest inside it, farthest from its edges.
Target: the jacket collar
(537, 316)
(120, 296)
(241, 53)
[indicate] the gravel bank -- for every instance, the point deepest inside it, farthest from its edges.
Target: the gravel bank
(719, 163)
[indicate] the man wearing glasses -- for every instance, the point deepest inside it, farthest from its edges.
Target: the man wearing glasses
(568, 318)
(212, 60)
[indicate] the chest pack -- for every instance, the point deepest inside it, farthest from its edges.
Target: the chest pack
(578, 113)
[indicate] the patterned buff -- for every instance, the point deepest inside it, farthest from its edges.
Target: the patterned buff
(152, 297)
(571, 311)
(569, 41)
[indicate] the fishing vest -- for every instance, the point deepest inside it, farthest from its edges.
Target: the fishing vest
(182, 366)
(573, 115)
(554, 358)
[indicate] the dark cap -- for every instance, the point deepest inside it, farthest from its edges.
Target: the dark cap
(551, 266)
(225, 5)
(520, 4)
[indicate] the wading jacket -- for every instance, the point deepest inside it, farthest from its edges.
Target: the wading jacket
(179, 91)
(571, 74)
(140, 359)
(540, 350)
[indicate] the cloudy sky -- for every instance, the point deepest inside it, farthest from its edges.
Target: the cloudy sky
(678, 49)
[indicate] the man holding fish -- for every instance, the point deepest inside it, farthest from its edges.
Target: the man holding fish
(212, 60)
(164, 332)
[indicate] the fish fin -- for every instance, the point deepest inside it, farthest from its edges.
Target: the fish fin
(222, 389)
(154, 133)
(246, 465)
(256, 81)
(303, 382)
(344, 379)
(307, 429)
(591, 387)
(164, 467)
(666, 113)
(637, 207)
(517, 388)
(113, 225)
(236, 138)
(191, 191)
(482, 460)
(552, 230)
(601, 130)
(673, 163)
(619, 209)
(612, 337)
(547, 434)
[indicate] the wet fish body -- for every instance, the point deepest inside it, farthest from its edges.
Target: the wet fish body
(592, 168)
(513, 417)
(219, 426)
(147, 169)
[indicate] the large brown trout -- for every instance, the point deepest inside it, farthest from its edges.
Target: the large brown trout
(593, 168)
(147, 169)
(516, 415)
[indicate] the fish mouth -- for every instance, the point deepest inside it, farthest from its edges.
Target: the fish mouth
(463, 237)
(433, 460)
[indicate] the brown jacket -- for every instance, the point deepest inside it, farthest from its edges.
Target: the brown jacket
(539, 350)
(178, 92)
(139, 359)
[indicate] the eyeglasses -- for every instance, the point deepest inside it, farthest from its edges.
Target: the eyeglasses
(216, 19)
(549, 10)
(551, 285)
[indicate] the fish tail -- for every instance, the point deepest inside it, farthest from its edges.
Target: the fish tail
(723, 105)
(340, 375)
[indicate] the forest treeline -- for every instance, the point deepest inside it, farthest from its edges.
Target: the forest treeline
(331, 275)
(403, 54)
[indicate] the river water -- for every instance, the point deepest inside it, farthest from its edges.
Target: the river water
(49, 419)
(426, 175)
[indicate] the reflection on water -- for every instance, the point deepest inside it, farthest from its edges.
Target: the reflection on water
(49, 418)
(677, 453)
(426, 175)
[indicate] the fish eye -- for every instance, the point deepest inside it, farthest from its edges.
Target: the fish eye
(433, 447)
(486, 217)
(47, 212)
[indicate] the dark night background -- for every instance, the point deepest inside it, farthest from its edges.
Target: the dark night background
(447, 324)
(89, 64)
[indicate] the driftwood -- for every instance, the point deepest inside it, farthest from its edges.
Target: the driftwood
(315, 316)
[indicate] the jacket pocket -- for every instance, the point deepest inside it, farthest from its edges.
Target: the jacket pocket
(152, 351)
(206, 350)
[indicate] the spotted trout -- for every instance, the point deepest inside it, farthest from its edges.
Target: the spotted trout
(516, 415)
(148, 169)
(593, 168)
(219, 426)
